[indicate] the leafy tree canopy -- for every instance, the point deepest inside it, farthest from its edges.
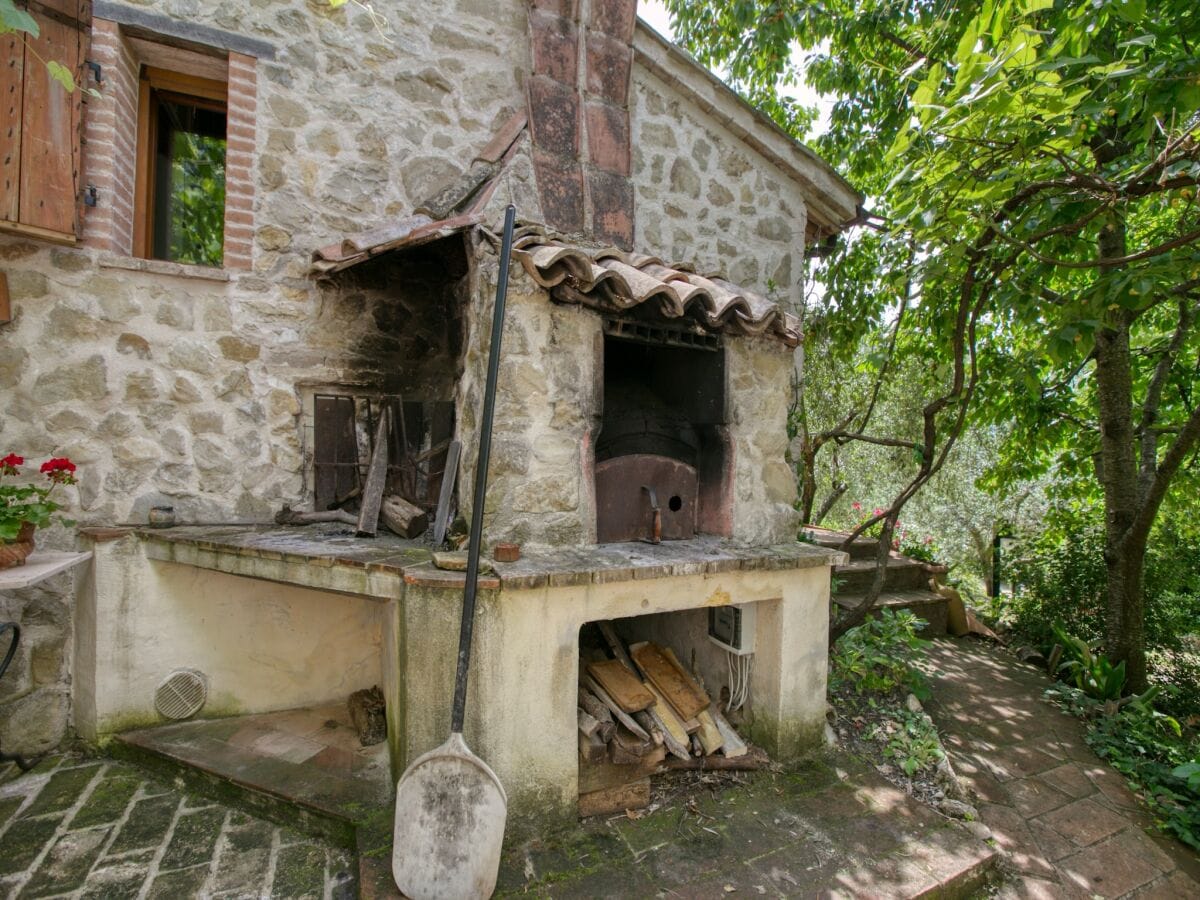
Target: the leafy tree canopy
(1031, 167)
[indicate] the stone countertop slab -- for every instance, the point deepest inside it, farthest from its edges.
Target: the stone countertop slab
(296, 554)
(333, 541)
(634, 561)
(38, 566)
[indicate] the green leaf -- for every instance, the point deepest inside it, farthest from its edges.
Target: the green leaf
(61, 74)
(13, 19)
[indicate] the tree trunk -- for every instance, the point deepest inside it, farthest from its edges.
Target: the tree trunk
(1124, 552)
(808, 480)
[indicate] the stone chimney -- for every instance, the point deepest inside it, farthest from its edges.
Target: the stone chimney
(579, 115)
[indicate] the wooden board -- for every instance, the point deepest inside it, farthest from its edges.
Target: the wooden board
(613, 707)
(446, 494)
(614, 644)
(12, 89)
(692, 683)
(600, 776)
(616, 800)
(622, 685)
(372, 492)
(709, 734)
(671, 722)
(50, 136)
(665, 673)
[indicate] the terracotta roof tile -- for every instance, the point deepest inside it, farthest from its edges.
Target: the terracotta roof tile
(613, 279)
(606, 278)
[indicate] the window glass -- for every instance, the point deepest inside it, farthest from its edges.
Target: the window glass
(189, 175)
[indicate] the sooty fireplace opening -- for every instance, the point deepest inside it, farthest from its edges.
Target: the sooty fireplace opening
(663, 454)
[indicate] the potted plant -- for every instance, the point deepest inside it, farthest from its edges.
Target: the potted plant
(25, 507)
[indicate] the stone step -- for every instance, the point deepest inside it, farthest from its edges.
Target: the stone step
(301, 768)
(862, 548)
(923, 604)
(903, 574)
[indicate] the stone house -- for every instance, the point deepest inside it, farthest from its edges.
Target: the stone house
(184, 343)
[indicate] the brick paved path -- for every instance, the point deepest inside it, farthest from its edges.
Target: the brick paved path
(76, 827)
(1066, 822)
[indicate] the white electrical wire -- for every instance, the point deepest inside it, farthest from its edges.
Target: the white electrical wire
(739, 667)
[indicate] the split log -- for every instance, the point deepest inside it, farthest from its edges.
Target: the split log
(590, 704)
(709, 735)
(369, 715)
(616, 800)
(289, 516)
(619, 714)
(590, 725)
(592, 750)
(403, 518)
(627, 749)
(643, 718)
(755, 759)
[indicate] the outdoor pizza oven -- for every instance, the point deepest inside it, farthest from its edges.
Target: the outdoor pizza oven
(662, 453)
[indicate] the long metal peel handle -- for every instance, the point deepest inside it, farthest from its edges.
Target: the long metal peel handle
(481, 470)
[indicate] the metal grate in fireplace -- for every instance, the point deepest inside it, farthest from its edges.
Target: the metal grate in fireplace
(344, 424)
(662, 335)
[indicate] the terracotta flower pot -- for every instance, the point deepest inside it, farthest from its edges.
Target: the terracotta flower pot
(13, 553)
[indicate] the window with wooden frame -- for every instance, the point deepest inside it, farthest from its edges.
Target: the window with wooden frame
(179, 202)
(40, 121)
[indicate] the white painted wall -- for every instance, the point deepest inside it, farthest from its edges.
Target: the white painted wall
(263, 646)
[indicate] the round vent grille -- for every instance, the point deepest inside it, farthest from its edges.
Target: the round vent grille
(181, 694)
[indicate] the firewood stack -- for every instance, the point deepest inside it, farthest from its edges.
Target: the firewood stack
(640, 712)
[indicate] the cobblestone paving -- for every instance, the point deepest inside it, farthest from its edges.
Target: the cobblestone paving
(1066, 822)
(84, 828)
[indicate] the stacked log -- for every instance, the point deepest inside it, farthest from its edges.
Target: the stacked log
(642, 712)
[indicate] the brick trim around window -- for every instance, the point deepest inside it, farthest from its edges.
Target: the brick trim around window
(110, 136)
(110, 157)
(241, 109)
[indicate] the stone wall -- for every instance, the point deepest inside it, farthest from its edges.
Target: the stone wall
(548, 412)
(169, 385)
(35, 699)
(183, 389)
(705, 198)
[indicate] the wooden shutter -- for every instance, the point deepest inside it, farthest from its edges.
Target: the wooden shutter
(40, 174)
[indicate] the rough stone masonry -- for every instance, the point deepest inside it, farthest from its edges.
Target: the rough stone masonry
(180, 386)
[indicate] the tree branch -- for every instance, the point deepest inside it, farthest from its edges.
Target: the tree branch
(1183, 445)
(1149, 435)
(1103, 262)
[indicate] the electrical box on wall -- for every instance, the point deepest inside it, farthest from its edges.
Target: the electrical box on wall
(732, 628)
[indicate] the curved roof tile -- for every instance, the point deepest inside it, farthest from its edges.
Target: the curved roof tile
(620, 281)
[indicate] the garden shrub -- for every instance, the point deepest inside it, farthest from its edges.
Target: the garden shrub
(1159, 759)
(878, 656)
(1058, 577)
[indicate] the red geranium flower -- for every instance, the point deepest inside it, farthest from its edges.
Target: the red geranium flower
(8, 465)
(59, 470)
